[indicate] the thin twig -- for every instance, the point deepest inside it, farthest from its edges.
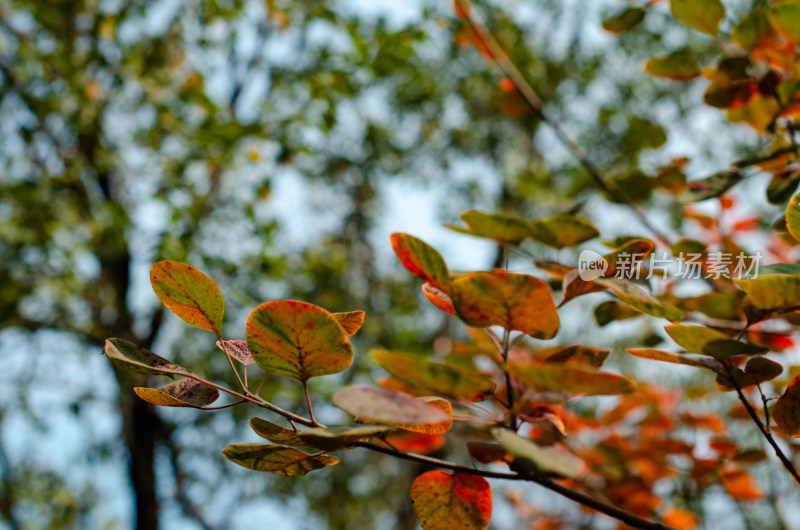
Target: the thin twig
(235, 371)
(757, 420)
(308, 402)
(509, 68)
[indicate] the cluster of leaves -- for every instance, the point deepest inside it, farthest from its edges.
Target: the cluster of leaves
(503, 395)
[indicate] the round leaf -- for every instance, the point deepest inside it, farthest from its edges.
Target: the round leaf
(678, 66)
(182, 393)
(577, 380)
(386, 407)
(297, 340)
(422, 260)
(793, 217)
(787, 409)
(562, 231)
(189, 293)
(350, 321)
(448, 502)
(702, 15)
(140, 360)
(505, 229)
(551, 460)
(512, 301)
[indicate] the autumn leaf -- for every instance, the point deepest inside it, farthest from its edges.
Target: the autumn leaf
(189, 293)
(702, 15)
(387, 407)
(277, 459)
(787, 409)
(334, 438)
(422, 260)
(297, 340)
(504, 229)
(350, 321)
(444, 501)
(577, 380)
(182, 393)
(549, 460)
(513, 301)
(562, 231)
(140, 360)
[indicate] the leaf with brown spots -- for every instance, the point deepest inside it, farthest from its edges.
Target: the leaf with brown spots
(444, 501)
(350, 321)
(238, 350)
(189, 293)
(297, 340)
(787, 409)
(140, 360)
(513, 301)
(275, 433)
(276, 459)
(182, 393)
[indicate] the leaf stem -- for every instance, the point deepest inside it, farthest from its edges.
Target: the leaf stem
(757, 420)
(512, 418)
(308, 402)
(235, 371)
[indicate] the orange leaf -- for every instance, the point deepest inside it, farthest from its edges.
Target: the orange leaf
(414, 442)
(438, 298)
(422, 260)
(512, 301)
(443, 501)
(350, 321)
(680, 519)
(189, 293)
(787, 409)
(740, 485)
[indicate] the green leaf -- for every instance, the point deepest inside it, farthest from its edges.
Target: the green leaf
(444, 501)
(678, 66)
(350, 321)
(297, 340)
(758, 370)
(707, 341)
(751, 29)
(140, 360)
(562, 231)
(450, 381)
(793, 217)
(505, 229)
(770, 295)
(624, 21)
(783, 185)
(335, 438)
(611, 311)
(548, 460)
(513, 301)
(387, 407)
(422, 260)
(779, 268)
(702, 15)
(181, 393)
(786, 19)
(634, 186)
(276, 459)
(710, 187)
(676, 358)
(575, 379)
(641, 300)
(189, 293)
(787, 410)
(275, 433)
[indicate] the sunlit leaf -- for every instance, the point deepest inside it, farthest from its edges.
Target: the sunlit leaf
(576, 355)
(189, 293)
(444, 501)
(710, 187)
(488, 452)
(787, 409)
(386, 407)
(505, 229)
(350, 321)
(702, 15)
(297, 340)
(676, 358)
(708, 341)
(513, 301)
(182, 393)
(562, 231)
(770, 295)
(334, 438)
(625, 21)
(140, 360)
(575, 379)
(440, 427)
(422, 260)
(238, 350)
(450, 381)
(793, 217)
(548, 460)
(276, 459)
(678, 66)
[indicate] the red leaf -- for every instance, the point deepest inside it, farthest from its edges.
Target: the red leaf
(444, 502)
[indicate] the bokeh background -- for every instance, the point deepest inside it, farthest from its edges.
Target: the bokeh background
(275, 145)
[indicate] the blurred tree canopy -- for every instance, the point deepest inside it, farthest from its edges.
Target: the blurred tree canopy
(265, 141)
